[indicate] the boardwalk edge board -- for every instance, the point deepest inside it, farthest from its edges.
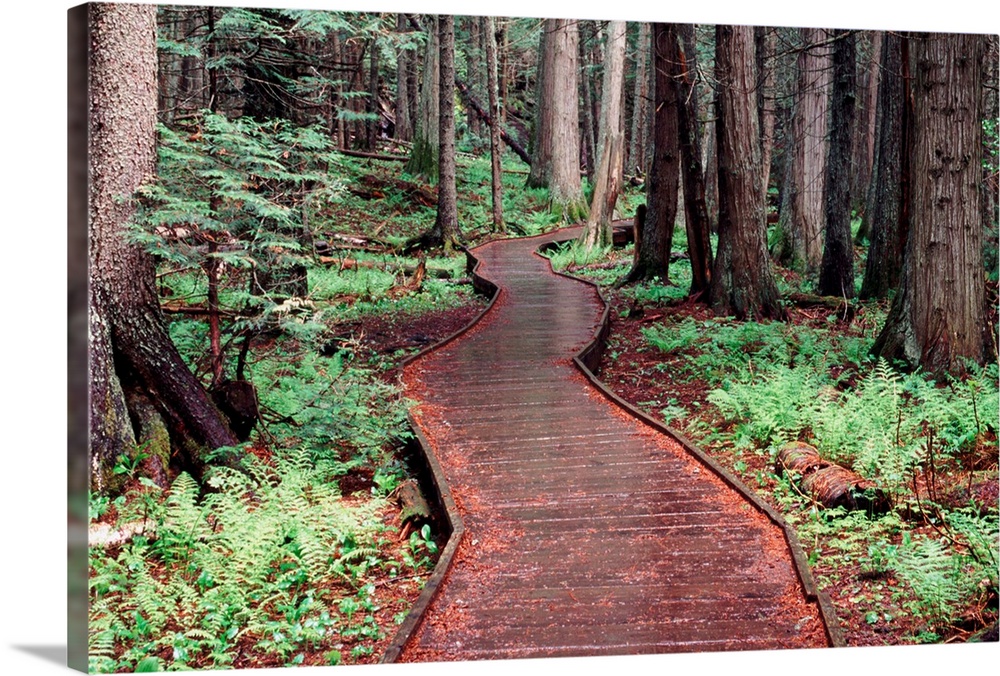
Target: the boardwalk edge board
(588, 362)
(441, 492)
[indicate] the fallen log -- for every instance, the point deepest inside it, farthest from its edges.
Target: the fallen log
(373, 156)
(413, 508)
(485, 117)
(409, 270)
(827, 483)
(841, 306)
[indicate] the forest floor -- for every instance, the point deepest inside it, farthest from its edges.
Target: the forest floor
(873, 606)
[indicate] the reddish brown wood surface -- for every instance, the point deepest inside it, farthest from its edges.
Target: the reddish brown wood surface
(586, 531)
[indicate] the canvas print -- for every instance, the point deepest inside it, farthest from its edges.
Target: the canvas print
(422, 338)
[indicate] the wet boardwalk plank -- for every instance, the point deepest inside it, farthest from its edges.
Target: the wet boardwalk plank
(586, 531)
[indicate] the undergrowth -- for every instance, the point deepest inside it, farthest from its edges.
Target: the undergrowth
(933, 558)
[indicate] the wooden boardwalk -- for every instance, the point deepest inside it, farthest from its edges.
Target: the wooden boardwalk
(586, 531)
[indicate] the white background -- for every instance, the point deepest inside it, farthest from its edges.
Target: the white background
(33, 349)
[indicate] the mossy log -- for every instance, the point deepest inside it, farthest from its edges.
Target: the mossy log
(827, 483)
(413, 508)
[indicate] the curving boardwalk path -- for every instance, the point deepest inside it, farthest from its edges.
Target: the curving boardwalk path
(587, 532)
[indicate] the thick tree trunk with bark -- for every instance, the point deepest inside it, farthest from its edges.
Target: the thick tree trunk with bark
(695, 211)
(937, 317)
(404, 126)
(446, 224)
(132, 359)
(886, 214)
(653, 250)
(490, 36)
(541, 147)
(764, 39)
(836, 277)
(558, 139)
(640, 106)
(424, 155)
(801, 224)
(473, 69)
(743, 283)
(608, 180)
(870, 46)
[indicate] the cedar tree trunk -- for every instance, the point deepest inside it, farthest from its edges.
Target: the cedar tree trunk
(742, 280)
(142, 393)
(937, 318)
(836, 276)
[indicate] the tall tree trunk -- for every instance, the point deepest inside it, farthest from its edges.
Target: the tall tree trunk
(743, 283)
(473, 74)
(131, 357)
(558, 137)
(836, 277)
(338, 48)
(372, 107)
(937, 317)
(695, 211)
(424, 156)
(886, 214)
(801, 245)
(541, 146)
(587, 125)
(608, 180)
(404, 127)
(446, 224)
(764, 39)
(640, 105)
(653, 250)
(490, 35)
(870, 47)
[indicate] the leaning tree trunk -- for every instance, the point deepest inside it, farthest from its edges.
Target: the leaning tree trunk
(836, 276)
(937, 317)
(886, 214)
(743, 283)
(652, 257)
(608, 180)
(142, 393)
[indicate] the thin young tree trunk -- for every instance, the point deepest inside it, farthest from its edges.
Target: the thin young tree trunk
(937, 317)
(743, 283)
(836, 277)
(372, 107)
(608, 180)
(490, 37)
